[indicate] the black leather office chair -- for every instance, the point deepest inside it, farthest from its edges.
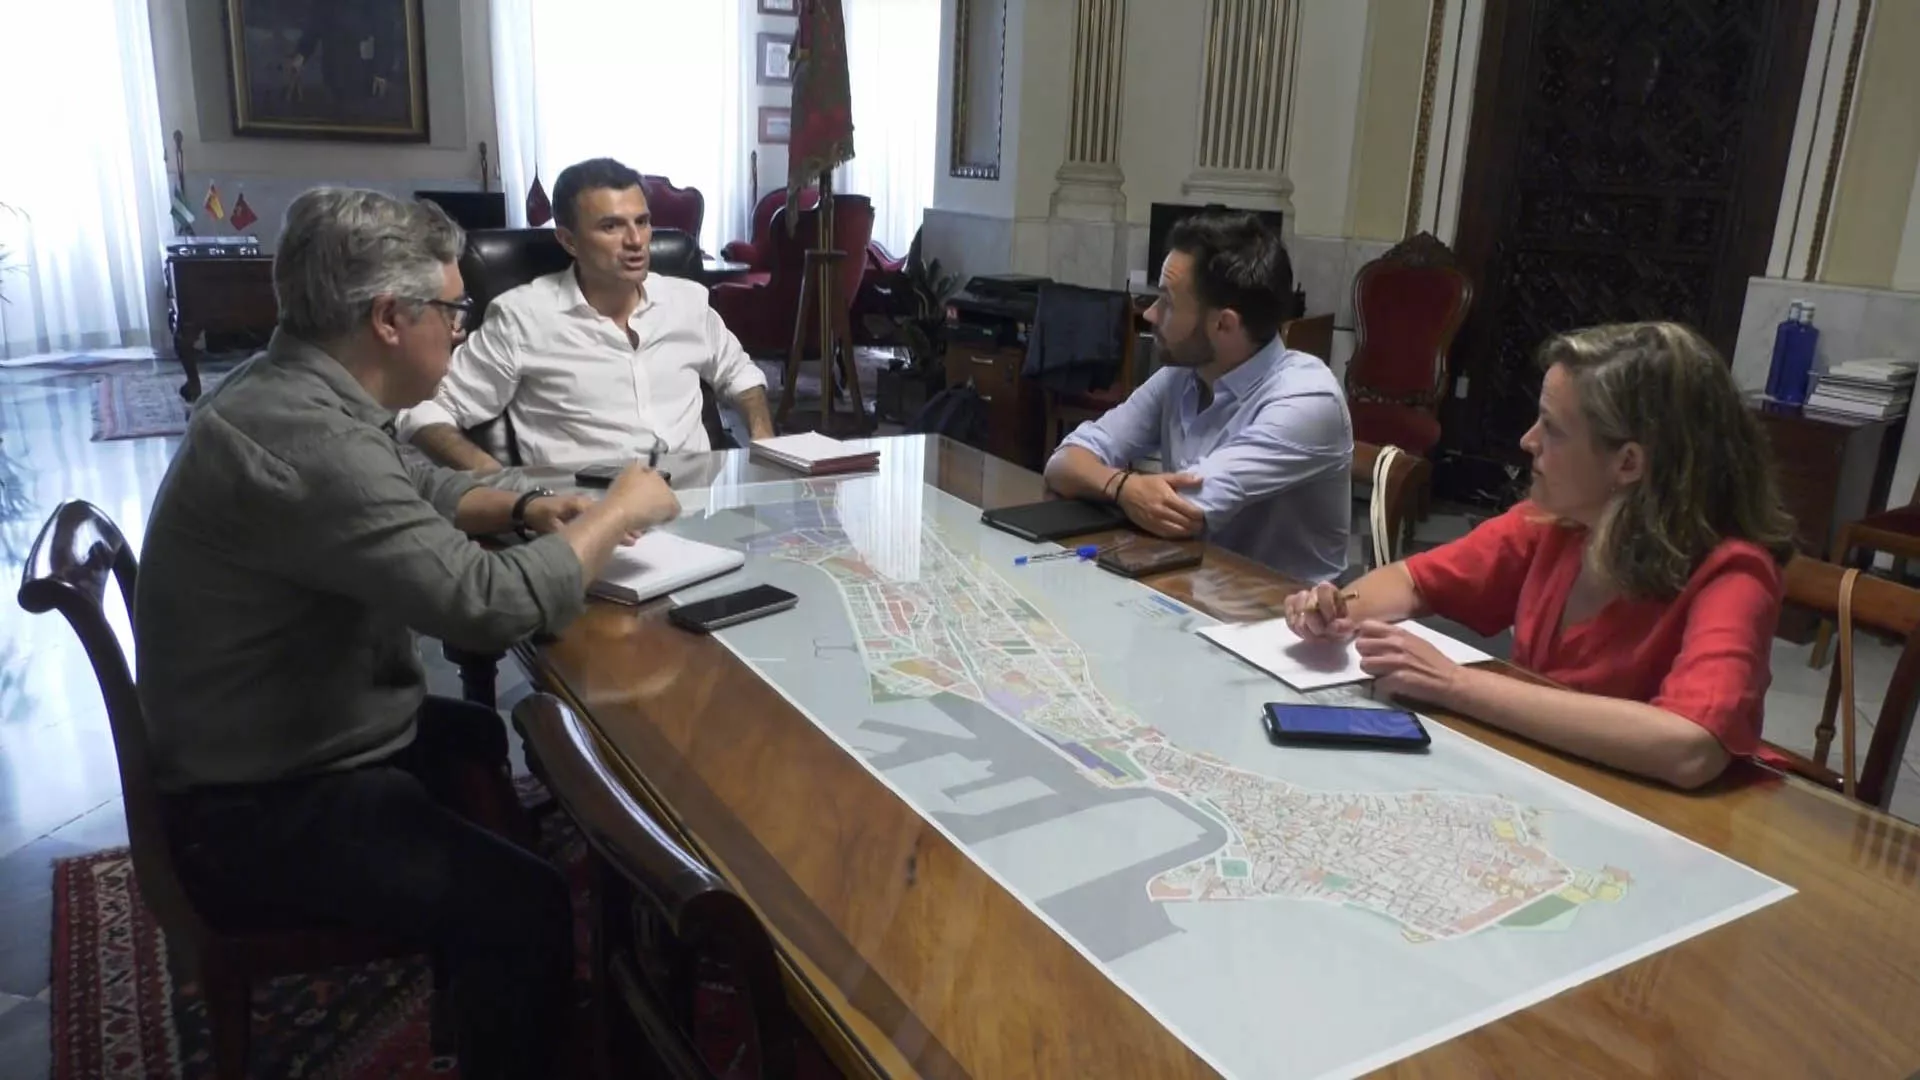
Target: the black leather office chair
(496, 260)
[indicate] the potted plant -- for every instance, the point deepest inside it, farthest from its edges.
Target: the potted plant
(915, 320)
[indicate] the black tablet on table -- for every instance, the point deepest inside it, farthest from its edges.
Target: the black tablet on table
(1055, 519)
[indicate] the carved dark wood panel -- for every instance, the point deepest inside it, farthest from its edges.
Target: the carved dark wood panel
(1625, 163)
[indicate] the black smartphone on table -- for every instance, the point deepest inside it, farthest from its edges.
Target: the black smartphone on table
(599, 476)
(1290, 724)
(720, 612)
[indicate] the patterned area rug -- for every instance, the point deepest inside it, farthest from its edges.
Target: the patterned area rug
(118, 1013)
(143, 405)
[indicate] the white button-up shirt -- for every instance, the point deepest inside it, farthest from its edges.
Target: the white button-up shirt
(576, 388)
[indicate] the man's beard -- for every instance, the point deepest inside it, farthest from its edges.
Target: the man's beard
(1192, 351)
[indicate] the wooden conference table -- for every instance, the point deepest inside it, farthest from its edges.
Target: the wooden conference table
(904, 946)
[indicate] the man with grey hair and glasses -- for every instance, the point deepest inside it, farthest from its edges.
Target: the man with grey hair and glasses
(291, 554)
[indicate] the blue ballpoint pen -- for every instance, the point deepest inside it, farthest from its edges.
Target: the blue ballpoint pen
(1084, 551)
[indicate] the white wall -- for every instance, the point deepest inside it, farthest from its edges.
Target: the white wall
(1046, 103)
(1906, 272)
(994, 198)
(1160, 104)
(189, 44)
(1333, 38)
(773, 156)
(1160, 108)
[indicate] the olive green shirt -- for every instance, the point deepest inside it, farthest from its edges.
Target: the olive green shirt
(291, 554)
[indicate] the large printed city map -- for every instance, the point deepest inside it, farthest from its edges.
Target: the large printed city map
(1287, 912)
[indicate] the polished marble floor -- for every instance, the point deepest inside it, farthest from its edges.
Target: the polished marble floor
(59, 789)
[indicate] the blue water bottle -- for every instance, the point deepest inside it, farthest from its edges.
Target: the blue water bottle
(1778, 361)
(1794, 344)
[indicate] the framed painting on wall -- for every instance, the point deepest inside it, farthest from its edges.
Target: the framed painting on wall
(779, 7)
(772, 65)
(344, 69)
(776, 124)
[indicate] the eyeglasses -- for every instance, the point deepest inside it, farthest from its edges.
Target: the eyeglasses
(459, 312)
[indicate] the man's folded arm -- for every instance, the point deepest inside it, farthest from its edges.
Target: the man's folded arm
(1291, 442)
(362, 529)
(1084, 464)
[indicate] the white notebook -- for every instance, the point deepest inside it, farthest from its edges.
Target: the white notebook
(659, 563)
(813, 452)
(1310, 665)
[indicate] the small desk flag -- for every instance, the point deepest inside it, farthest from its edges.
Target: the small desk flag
(243, 214)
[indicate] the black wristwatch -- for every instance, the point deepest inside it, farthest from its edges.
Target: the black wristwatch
(520, 512)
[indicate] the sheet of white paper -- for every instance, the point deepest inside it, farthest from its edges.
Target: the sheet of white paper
(1309, 665)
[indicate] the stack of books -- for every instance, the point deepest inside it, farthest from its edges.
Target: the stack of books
(1863, 390)
(815, 454)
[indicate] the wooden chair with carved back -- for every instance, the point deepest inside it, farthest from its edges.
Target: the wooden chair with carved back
(1857, 602)
(1895, 531)
(1407, 306)
(1399, 483)
(684, 973)
(67, 570)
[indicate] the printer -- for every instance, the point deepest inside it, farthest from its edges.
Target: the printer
(994, 310)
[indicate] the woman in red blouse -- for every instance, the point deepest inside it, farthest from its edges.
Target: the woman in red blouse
(1642, 573)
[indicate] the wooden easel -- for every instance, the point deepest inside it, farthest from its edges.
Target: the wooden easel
(820, 286)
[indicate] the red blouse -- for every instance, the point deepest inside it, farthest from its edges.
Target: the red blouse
(1702, 655)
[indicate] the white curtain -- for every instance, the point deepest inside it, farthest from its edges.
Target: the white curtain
(893, 58)
(81, 160)
(671, 104)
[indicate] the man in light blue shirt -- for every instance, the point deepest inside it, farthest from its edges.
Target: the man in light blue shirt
(1255, 439)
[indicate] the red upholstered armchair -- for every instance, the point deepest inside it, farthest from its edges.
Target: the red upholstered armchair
(675, 207)
(761, 313)
(755, 251)
(1407, 306)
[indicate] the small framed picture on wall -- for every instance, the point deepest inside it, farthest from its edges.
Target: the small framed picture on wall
(771, 65)
(776, 124)
(779, 7)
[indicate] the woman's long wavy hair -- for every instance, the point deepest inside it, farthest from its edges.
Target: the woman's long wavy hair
(1709, 472)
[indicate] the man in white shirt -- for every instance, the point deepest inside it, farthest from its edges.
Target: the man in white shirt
(598, 361)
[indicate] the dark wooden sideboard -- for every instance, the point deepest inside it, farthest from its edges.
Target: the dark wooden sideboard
(1831, 472)
(1015, 406)
(229, 294)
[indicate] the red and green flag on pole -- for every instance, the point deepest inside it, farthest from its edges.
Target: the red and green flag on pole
(822, 112)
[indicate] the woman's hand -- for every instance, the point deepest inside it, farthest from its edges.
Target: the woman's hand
(1406, 665)
(1319, 614)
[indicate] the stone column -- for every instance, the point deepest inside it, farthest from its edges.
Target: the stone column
(1088, 183)
(1245, 94)
(1087, 218)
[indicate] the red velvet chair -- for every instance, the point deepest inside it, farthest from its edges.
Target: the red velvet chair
(755, 251)
(761, 312)
(675, 207)
(1407, 306)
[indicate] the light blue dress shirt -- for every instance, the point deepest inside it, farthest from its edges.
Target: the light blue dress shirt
(1274, 451)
